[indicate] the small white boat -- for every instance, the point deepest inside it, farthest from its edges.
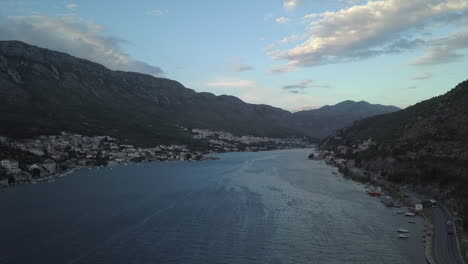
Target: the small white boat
(402, 230)
(412, 222)
(403, 236)
(409, 214)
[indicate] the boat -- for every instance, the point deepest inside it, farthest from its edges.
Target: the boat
(375, 191)
(403, 236)
(399, 212)
(402, 230)
(409, 214)
(387, 200)
(412, 222)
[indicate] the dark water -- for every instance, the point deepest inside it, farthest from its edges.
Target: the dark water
(265, 207)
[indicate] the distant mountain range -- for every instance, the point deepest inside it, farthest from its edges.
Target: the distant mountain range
(327, 119)
(44, 92)
(426, 143)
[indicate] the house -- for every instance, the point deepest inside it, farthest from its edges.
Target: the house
(37, 170)
(37, 152)
(50, 165)
(11, 165)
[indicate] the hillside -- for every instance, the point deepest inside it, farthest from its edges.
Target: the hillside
(43, 91)
(425, 144)
(328, 119)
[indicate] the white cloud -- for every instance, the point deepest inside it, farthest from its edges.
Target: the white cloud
(282, 20)
(231, 83)
(290, 39)
(423, 76)
(72, 6)
(290, 5)
(445, 50)
(76, 36)
(363, 31)
(156, 12)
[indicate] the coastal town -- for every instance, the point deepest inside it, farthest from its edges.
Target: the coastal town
(47, 156)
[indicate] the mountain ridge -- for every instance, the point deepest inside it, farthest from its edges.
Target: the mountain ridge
(328, 119)
(43, 91)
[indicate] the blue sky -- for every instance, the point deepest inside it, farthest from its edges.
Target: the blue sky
(291, 54)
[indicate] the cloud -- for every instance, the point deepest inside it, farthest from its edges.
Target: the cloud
(282, 20)
(74, 35)
(72, 6)
(351, 2)
(291, 39)
(372, 29)
(298, 88)
(238, 66)
(231, 83)
(290, 5)
(301, 85)
(445, 50)
(156, 12)
(423, 76)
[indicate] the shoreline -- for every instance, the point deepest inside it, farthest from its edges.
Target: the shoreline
(206, 157)
(348, 174)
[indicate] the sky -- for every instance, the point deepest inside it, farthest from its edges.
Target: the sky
(292, 54)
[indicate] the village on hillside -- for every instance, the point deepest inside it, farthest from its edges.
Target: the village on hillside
(44, 157)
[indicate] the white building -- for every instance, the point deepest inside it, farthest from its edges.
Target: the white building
(11, 165)
(50, 166)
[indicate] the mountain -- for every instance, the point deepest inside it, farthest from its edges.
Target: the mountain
(423, 144)
(44, 91)
(327, 119)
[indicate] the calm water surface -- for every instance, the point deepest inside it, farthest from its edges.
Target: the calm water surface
(264, 207)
